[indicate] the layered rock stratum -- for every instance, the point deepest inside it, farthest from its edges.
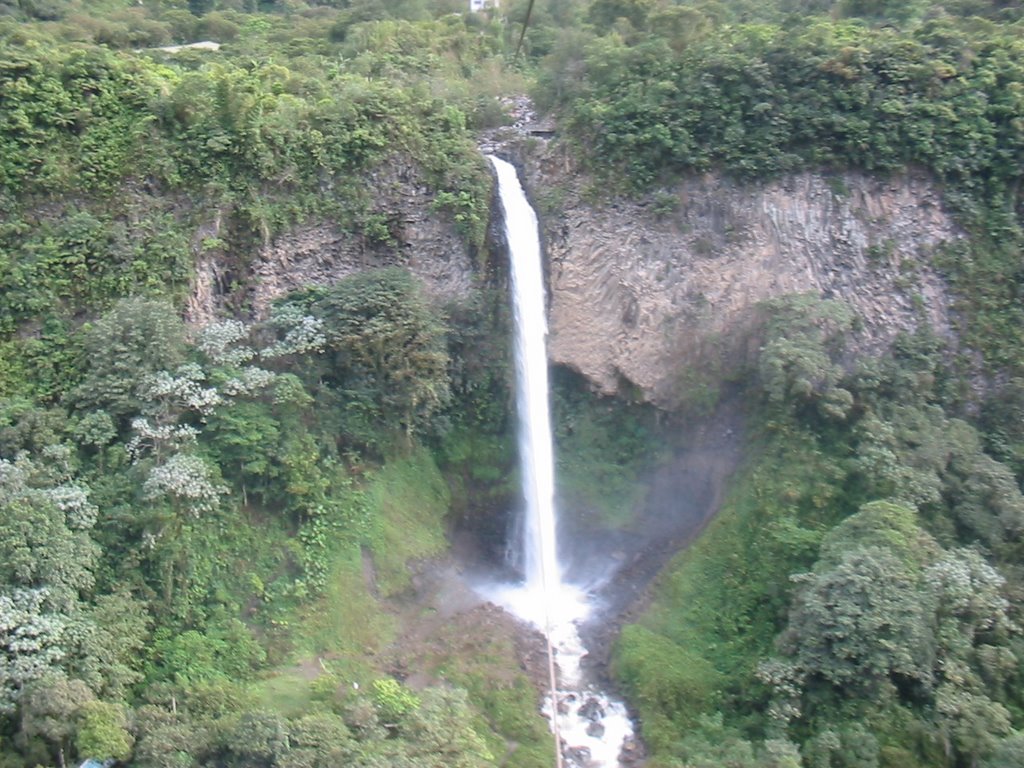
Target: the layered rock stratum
(644, 290)
(641, 288)
(319, 253)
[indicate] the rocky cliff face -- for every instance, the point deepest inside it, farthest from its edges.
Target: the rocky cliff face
(320, 253)
(639, 289)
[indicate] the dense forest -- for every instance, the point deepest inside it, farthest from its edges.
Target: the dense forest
(189, 505)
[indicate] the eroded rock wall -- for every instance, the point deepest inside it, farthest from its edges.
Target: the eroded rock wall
(319, 253)
(639, 288)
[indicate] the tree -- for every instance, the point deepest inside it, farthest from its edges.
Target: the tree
(680, 25)
(860, 624)
(859, 621)
(1007, 752)
(111, 640)
(246, 437)
(848, 746)
(187, 481)
(887, 618)
(225, 651)
(798, 359)
(711, 745)
(884, 525)
(138, 337)
(44, 540)
(221, 342)
(393, 700)
(25, 427)
(388, 354)
(320, 740)
(442, 734)
(32, 642)
(970, 607)
(296, 332)
(258, 740)
(167, 738)
(970, 723)
(604, 13)
(103, 731)
(50, 707)
(188, 487)
(171, 405)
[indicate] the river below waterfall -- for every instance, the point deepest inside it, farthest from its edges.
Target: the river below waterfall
(593, 726)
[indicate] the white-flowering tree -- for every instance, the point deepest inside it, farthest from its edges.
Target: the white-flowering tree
(172, 406)
(188, 488)
(221, 341)
(297, 331)
(187, 482)
(221, 344)
(32, 642)
(44, 539)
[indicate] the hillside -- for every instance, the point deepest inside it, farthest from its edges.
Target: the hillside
(256, 426)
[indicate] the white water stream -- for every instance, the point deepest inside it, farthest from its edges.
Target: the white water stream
(593, 727)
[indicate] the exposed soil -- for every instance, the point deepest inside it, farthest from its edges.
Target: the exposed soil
(442, 619)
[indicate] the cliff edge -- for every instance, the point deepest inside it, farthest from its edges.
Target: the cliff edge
(641, 289)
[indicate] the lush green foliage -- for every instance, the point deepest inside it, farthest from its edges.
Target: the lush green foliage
(112, 161)
(198, 526)
(648, 91)
(763, 99)
(214, 491)
(602, 447)
(854, 596)
(386, 353)
(231, 478)
(186, 512)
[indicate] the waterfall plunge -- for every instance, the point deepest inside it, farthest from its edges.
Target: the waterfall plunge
(540, 555)
(592, 726)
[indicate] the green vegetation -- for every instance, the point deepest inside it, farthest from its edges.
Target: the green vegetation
(200, 525)
(856, 602)
(199, 509)
(648, 91)
(408, 499)
(111, 160)
(853, 597)
(602, 448)
(205, 529)
(793, 632)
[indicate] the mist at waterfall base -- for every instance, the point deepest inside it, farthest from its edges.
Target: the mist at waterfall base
(592, 726)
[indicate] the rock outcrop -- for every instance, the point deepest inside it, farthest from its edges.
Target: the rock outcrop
(319, 253)
(639, 288)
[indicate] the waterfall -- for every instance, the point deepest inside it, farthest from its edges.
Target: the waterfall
(593, 727)
(540, 549)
